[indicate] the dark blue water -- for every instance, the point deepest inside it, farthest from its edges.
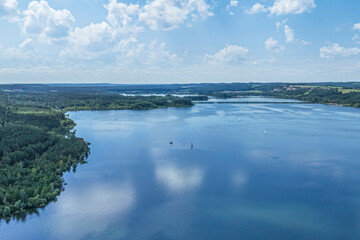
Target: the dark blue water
(299, 181)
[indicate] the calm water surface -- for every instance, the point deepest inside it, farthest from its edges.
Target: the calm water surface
(250, 99)
(299, 181)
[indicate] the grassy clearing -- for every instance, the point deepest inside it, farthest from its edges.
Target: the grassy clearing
(251, 91)
(349, 90)
(314, 86)
(326, 87)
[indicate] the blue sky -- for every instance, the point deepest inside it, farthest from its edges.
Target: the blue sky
(179, 41)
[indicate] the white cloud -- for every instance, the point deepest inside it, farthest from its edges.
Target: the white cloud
(102, 41)
(233, 3)
(149, 54)
(256, 8)
(13, 53)
(115, 40)
(280, 24)
(356, 39)
(281, 7)
(155, 53)
(107, 37)
(305, 43)
(8, 4)
(289, 33)
(335, 50)
(231, 54)
(22, 53)
(90, 42)
(25, 43)
(8, 7)
(47, 23)
(356, 26)
(123, 17)
(291, 6)
(169, 14)
(272, 45)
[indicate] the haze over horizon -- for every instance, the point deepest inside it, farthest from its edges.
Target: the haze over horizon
(179, 41)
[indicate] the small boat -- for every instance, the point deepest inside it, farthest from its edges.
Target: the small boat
(192, 146)
(171, 142)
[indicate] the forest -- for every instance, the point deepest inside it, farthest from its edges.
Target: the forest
(69, 101)
(36, 148)
(37, 143)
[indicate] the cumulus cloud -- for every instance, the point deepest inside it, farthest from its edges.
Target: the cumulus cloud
(232, 4)
(123, 17)
(21, 53)
(156, 53)
(305, 43)
(280, 25)
(149, 54)
(42, 20)
(13, 53)
(107, 37)
(256, 8)
(102, 41)
(169, 14)
(273, 45)
(289, 33)
(231, 55)
(8, 4)
(356, 26)
(109, 40)
(8, 7)
(335, 50)
(90, 41)
(356, 39)
(113, 40)
(291, 6)
(281, 7)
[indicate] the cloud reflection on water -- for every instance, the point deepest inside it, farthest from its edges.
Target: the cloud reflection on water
(179, 179)
(175, 177)
(239, 178)
(91, 207)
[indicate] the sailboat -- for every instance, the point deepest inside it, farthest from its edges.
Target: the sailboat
(265, 132)
(192, 146)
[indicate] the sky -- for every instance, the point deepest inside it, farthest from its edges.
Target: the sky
(179, 41)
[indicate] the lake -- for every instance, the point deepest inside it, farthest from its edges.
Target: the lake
(301, 180)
